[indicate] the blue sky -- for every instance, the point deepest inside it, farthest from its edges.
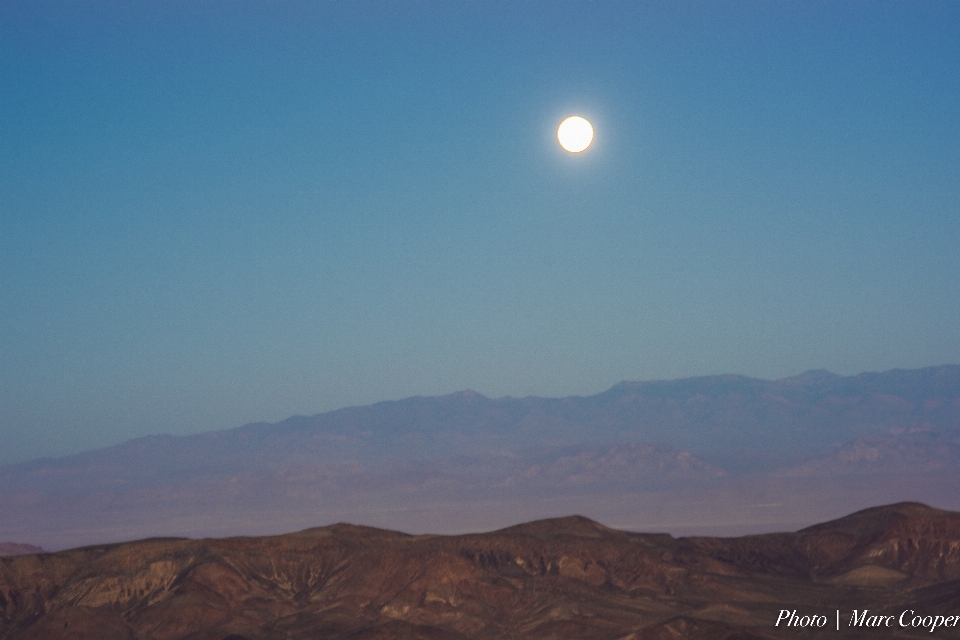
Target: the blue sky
(213, 213)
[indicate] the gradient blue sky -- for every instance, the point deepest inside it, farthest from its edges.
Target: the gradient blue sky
(213, 213)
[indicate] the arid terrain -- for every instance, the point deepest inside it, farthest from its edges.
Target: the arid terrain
(559, 578)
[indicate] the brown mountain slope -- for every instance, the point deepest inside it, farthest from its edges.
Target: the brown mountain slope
(560, 578)
(882, 544)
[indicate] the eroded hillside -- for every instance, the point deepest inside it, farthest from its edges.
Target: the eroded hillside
(561, 578)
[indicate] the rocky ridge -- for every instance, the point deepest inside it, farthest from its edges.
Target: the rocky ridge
(558, 578)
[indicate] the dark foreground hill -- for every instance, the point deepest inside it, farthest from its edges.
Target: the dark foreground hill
(560, 578)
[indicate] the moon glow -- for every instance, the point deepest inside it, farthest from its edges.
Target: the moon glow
(575, 134)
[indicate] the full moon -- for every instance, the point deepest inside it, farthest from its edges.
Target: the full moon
(575, 134)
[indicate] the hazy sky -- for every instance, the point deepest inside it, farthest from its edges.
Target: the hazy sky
(213, 213)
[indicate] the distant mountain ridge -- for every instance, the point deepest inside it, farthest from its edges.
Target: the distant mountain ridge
(705, 414)
(433, 456)
(16, 549)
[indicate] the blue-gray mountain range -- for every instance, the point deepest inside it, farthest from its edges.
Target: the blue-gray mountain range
(717, 454)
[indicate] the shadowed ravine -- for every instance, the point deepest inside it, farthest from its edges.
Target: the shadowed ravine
(559, 578)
